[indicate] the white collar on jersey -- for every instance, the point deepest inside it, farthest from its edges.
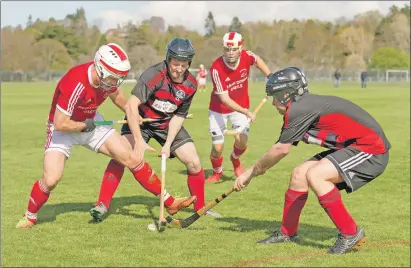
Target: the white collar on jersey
(89, 77)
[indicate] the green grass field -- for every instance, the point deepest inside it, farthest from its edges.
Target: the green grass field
(63, 236)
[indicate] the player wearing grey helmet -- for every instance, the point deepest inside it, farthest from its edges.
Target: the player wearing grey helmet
(358, 152)
(163, 92)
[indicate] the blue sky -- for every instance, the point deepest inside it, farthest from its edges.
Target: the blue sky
(108, 14)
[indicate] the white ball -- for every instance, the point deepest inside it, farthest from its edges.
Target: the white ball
(152, 227)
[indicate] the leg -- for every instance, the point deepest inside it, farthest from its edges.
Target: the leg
(239, 121)
(349, 169)
(218, 124)
(57, 150)
(295, 199)
(142, 172)
(188, 156)
(52, 172)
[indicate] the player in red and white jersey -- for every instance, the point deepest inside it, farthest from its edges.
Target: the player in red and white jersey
(201, 78)
(230, 100)
(77, 97)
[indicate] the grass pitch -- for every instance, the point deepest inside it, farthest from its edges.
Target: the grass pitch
(63, 236)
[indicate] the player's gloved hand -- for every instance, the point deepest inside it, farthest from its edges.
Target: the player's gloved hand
(90, 126)
(250, 115)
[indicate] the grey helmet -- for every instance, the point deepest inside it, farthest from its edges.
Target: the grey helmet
(286, 84)
(180, 49)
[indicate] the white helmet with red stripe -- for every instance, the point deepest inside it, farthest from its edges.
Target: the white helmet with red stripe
(112, 65)
(232, 44)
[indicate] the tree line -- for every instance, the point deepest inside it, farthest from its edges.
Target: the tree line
(369, 40)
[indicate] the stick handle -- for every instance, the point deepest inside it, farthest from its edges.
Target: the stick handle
(112, 122)
(163, 181)
(236, 132)
(210, 205)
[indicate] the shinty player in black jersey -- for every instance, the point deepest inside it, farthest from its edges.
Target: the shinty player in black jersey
(163, 92)
(358, 152)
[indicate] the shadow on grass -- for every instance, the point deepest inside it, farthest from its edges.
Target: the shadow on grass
(310, 235)
(118, 206)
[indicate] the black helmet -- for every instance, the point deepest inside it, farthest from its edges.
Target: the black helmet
(286, 84)
(180, 49)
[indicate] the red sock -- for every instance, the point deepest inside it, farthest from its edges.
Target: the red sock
(111, 179)
(195, 183)
(333, 205)
(237, 152)
(38, 197)
(217, 164)
(293, 205)
(149, 180)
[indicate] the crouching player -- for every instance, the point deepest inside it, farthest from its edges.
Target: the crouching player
(358, 152)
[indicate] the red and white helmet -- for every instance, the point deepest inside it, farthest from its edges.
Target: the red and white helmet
(232, 44)
(112, 65)
(233, 39)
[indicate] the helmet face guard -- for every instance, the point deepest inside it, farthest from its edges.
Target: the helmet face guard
(112, 66)
(108, 79)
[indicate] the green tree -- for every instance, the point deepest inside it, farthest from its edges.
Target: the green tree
(235, 25)
(209, 25)
(51, 55)
(390, 58)
(64, 36)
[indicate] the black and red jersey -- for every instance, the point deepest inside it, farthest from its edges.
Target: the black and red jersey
(161, 97)
(334, 123)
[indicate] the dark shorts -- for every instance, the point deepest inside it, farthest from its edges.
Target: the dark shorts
(356, 167)
(160, 135)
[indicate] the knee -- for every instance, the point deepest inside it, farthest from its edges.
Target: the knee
(132, 161)
(49, 181)
(298, 177)
(241, 141)
(313, 176)
(217, 150)
(193, 165)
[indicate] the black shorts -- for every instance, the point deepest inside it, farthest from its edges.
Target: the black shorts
(356, 167)
(160, 135)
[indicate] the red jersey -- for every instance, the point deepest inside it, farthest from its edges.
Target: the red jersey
(202, 73)
(75, 96)
(231, 81)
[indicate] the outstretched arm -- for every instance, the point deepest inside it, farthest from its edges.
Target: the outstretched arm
(277, 152)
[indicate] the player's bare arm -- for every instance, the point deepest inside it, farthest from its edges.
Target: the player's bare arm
(176, 123)
(119, 99)
(62, 122)
(262, 66)
(227, 101)
(277, 152)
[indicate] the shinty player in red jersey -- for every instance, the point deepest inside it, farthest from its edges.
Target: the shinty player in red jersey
(201, 78)
(164, 92)
(230, 101)
(73, 111)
